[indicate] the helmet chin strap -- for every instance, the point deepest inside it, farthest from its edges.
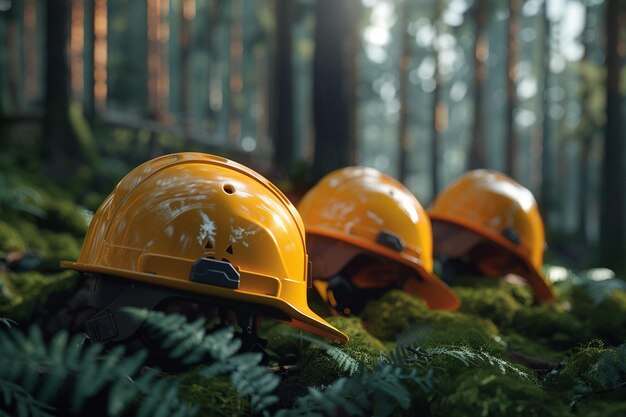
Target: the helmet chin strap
(346, 298)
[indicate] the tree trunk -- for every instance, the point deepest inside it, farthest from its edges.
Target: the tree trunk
(588, 133)
(14, 56)
(333, 102)
(282, 120)
(403, 123)
(89, 109)
(511, 102)
(437, 121)
(546, 161)
(185, 52)
(58, 141)
(478, 151)
(613, 209)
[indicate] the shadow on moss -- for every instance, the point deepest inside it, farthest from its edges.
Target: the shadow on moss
(398, 312)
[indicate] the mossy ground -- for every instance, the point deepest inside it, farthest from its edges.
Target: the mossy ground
(563, 341)
(215, 396)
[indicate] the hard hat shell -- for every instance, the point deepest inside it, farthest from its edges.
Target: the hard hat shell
(504, 212)
(172, 213)
(358, 210)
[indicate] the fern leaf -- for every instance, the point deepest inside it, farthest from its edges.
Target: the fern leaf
(192, 343)
(7, 322)
(344, 361)
(422, 358)
(25, 404)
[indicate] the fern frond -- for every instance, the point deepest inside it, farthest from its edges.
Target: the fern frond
(41, 370)
(415, 335)
(187, 341)
(344, 361)
(25, 404)
(377, 393)
(191, 343)
(7, 322)
(423, 358)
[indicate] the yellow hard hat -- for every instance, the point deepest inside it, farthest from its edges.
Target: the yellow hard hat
(487, 207)
(207, 226)
(355, 211)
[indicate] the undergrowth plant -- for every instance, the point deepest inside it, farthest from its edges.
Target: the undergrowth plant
(377, 393)
(65, 376)
(607, 375)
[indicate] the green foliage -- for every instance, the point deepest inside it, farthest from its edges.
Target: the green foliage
(604, 317)
(482, 392)
(215, 396)
(7, 322)
(64, 216)
(608, 374)
(393, 313)
(397, 312)
(28, 291)
(24, 403)
(322, 362)
(530, 346)
(282, 339)
(378, 393)
(190, 342)
(494, 303)
(18, 197)
(68, 375)
(451, 358)
(572, 370)
(559, 328)
(10, 239)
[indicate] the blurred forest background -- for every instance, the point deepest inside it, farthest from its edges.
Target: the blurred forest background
(422, 90)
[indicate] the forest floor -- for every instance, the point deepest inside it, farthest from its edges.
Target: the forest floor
(500, 354)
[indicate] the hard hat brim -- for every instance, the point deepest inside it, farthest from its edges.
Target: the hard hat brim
(301, 315)
(541, 286)
(429, 287)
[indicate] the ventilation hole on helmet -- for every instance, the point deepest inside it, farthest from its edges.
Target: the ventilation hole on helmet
(208, 244)
(512, 236)
(228, 188)
(229, 249)
(225, 260)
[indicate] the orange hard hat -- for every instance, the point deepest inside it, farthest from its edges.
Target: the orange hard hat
(206, 226)
(487, 212)
(360, 211)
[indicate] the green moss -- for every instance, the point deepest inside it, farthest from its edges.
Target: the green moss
(481, 392)
(495, 303)
(318, 367)
(520, 293)
(601, 407)
(605, 320)
(10, 238)
(459, 329)
(398, 313)
(608, 320)
(282, 340)
(215, 396)
(28, 291)
(577, 363)
(393, 313)
(532, 347)
(550, 323)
